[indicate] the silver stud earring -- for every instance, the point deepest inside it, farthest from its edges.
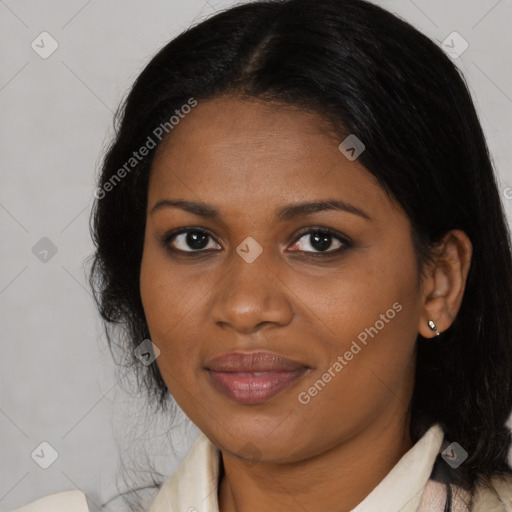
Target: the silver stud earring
(433, 327)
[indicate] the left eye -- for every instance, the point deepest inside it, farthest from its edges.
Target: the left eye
(320, 241)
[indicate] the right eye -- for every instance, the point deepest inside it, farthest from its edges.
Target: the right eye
(189, 240)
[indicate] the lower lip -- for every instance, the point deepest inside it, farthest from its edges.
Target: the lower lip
(248, 388)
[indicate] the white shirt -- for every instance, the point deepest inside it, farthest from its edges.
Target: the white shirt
(193, 486)
(195, 482)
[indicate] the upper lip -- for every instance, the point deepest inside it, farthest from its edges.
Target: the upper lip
(253, 362)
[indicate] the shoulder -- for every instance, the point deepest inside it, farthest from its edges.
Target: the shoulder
(493, 494)
(68, 501)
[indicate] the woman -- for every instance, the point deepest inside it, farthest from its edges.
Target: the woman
(299, 211)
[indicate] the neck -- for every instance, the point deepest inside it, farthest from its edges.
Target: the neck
(336, 480)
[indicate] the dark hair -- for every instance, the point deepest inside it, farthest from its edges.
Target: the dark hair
(373, 75)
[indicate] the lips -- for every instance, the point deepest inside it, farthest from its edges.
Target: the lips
(252, 378)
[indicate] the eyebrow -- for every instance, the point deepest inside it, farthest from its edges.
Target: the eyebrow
(282, 214)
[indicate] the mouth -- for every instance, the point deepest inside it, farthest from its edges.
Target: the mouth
(253, 378)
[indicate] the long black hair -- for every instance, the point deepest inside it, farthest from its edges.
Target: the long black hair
(373, 75)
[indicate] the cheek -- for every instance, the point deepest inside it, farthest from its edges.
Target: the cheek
(367, 314)
(171, 325)
(367, 363)
(167, 308)
(374, 293)
(168, 297)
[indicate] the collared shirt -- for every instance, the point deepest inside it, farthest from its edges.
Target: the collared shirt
(193, 487)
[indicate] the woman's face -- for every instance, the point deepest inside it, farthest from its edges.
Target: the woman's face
(247, 279)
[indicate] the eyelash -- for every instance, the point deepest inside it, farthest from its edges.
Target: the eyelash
(345, 241)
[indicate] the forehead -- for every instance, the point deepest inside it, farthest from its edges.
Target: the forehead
(232, 152)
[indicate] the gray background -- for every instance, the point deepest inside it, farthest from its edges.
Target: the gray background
(57, 377)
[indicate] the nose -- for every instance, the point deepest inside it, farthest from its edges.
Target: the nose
(251, 295)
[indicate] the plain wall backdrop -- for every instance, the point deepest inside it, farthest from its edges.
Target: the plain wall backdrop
(58, 382)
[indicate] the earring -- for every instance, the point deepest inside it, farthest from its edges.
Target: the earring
(433, 327)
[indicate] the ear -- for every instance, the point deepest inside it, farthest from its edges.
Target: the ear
(444, 282)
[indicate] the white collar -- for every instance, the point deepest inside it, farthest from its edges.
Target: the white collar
(194, 484)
